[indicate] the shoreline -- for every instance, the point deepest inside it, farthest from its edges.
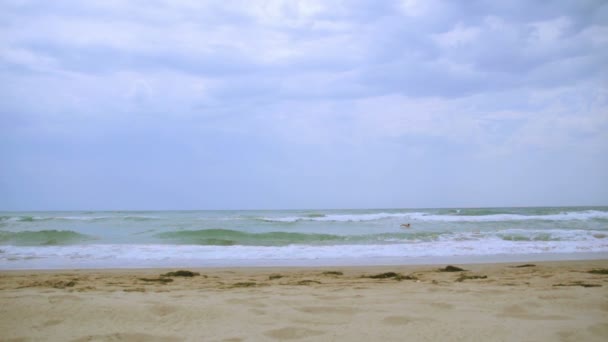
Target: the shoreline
(540, 301)
(323, 262)
(469, 266)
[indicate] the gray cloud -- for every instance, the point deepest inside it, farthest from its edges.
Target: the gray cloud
(298, 100)
(385, 46)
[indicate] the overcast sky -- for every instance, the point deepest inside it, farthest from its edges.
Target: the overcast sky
(302, 104)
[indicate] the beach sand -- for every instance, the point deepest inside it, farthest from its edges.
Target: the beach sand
(548, 301)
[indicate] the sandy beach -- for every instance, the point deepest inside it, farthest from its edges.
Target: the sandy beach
(548, 301)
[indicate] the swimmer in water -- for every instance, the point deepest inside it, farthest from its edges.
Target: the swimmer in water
(405, 225)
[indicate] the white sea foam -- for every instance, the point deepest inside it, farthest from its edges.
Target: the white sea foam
(79, 218)
(564, 216)
(166, 255)
(338, 217)
(423, 216)
(134, 239)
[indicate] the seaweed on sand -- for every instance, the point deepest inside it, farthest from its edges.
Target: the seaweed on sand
(392, 275)
(599, 271)
(464, 277)
(579, 283)
(181, 273)
(157, 280)
(307, 282)
(451, 268)
(58, 284)
(384, 275)
(244, 284)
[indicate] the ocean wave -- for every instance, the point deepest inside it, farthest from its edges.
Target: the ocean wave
(42, 238)
(549, 235)
(23, 218)
(28, 218)
(563, 216)
(451, 216)
(140, 218)
(227, 237)
(132, 256)
(336, 217)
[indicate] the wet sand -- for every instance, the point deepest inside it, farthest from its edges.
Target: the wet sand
(548, 301)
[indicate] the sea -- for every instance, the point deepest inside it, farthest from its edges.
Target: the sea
(250, 238)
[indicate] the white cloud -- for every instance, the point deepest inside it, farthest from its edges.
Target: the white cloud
(458, 36)
(379, 80)
(550, 31)
(27, 59)
(417, 8)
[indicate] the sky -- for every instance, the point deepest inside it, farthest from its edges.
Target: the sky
(238, 104)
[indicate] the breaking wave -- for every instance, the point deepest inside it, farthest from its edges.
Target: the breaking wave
(227, 237)
(27, 218)
(453, 216)
(42, 238)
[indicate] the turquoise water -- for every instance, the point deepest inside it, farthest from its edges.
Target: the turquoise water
(157, 238)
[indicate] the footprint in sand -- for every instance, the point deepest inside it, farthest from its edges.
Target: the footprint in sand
(600, 329)
(163, 310)
(257, 311)
(292, 333)
(327, 310)
(49, 323)
(444, 306)
(61, 298)
(518, 311)
(247, 302)
(133, 337)
(397, 320)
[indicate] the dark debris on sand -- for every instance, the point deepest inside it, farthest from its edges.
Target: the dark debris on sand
(308, 282)
(451, 268)
(63, 284)
(384, 275)
(392, 275)
(181, 273)
(245, 284)
(157, 280)
(599, 271)
(58, 284)
(464, 277)
(579, 283)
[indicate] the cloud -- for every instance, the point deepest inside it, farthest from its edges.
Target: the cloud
(387, 48)
(291, 85)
